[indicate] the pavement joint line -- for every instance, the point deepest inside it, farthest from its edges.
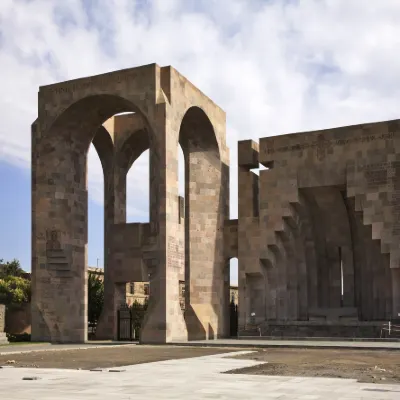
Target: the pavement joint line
(6, 353)
(282, 345)
(231, 346)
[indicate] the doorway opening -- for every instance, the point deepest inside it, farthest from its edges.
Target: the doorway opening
(233, 297)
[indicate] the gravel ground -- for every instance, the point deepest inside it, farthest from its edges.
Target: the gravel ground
(365, 366)
(105, 357)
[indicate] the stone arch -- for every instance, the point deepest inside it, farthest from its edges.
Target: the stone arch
(132, 139)
(204, 264)
(104, 145)
(59, 186)
(130, 150)
(69, 115)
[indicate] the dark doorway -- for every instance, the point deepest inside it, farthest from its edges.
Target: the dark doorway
(233, 310)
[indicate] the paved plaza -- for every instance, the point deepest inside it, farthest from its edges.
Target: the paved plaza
(196, 378)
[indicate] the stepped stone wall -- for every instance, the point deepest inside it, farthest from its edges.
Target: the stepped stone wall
(319, 226)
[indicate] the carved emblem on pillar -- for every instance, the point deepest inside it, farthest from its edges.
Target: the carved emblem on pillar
(53, 240)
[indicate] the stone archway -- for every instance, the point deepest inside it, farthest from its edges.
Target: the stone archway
(131, 139)
(70, 114)
(60, 216)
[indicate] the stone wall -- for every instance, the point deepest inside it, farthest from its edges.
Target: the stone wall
(3, 337)
(18, 319)
(318, 228)
(2, 317)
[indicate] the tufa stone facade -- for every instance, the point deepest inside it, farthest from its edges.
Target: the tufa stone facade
(317, 234)
(319, 228)
(167, 110)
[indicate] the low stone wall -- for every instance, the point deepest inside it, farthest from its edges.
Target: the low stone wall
(18, 319)
(3, 337)
(342, 329)
(2, 317)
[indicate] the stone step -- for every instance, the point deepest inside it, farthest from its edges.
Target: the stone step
(323, 330)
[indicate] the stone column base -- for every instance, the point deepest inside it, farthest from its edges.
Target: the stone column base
(3, 338)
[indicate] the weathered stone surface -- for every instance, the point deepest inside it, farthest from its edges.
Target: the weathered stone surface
(317, 230)
(168, 110)
(325, 229)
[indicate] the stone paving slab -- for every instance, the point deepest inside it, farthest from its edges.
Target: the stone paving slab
(195, 378)
(259, 343)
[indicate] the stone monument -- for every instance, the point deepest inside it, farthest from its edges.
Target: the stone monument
(318, 232)
(161, 110)
(317, 236)
(3, 337)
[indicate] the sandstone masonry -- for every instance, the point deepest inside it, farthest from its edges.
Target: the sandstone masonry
(317, 234)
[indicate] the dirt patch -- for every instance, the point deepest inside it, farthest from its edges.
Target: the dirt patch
(364, 366)
(105, 357)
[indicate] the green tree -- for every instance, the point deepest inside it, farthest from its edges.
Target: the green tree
(138, 312)
(14, 290)
(95, 298)
(10, 268)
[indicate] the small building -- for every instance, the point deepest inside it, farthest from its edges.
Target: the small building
(140, 291)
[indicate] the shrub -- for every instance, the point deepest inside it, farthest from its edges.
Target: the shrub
(14, 290)
(95, 298)
(23, 337)
(10, 268)
(138, 312)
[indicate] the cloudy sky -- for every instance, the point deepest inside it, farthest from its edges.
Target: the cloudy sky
(275, 66)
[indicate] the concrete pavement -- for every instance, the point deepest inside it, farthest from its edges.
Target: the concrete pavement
(196, 378)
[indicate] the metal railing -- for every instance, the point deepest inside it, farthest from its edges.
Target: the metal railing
(390, 330)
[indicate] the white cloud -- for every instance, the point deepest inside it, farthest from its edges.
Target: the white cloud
(274, 66)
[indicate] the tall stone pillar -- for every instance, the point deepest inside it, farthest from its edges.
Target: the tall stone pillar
(248, 212)
(205, 194)
(114, 213)
(164, 321)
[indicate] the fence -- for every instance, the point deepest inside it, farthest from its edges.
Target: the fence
(130, 321)
(390, 330)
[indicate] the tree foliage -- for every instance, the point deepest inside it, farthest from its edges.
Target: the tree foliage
(10, 268)
(95, 298)
(138, 312)
(14, 290)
